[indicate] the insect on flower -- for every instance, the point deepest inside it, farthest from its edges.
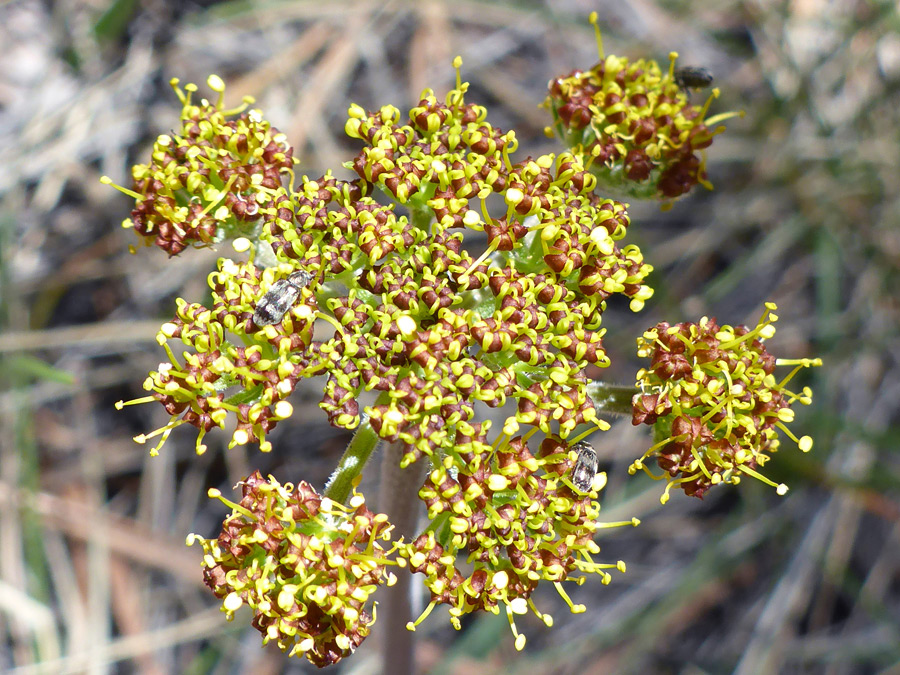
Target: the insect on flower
(693, 77)
(586, 465)
(280, 298)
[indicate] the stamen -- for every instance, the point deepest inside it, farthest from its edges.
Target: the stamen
(634, 522)
(592, 18)
(721, 117)
(758, 476)
(575, 609)
(135, 401)
(106, 180)
(519, 638)
(713, 95)
(424, 615)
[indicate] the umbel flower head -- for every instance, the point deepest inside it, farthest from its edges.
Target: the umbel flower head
(403, 307)
(305, 565)
(714, 401)
(517, 519)
(635, 126)
(379, 301)
(219, 377)
(209, 178)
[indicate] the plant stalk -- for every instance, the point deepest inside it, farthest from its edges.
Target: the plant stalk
(399, 499)
(612, 398)
(348, 470)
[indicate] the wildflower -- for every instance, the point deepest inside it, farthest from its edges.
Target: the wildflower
(217, 377)
(712, 397)
(388, 299)
(305, 565)
(211, 177)
(415, 315)
(517, 518)
(634, 124)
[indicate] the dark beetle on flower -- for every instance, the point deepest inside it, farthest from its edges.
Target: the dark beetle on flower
(693, 77)
(585, 466)
(280, 298)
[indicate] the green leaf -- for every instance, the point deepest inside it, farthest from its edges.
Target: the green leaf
(25, 366)
(112, 25)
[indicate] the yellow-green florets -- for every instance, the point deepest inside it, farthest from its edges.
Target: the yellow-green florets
(411, 312)
(219, 376)
(712, 396)
(636, 127)
(305, 565)
(483, 279)
(213, 175)
(515, 518)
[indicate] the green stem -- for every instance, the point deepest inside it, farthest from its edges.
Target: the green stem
(361, 447)
(420, 215)
(612, 398)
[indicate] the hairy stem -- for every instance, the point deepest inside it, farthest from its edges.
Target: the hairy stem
(612, 398)
(399, 500)
(361, 447)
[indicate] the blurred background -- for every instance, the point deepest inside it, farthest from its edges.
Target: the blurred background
(94, 574)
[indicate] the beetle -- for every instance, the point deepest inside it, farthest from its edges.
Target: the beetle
(586, 465)
(693, 77)
(280, 298)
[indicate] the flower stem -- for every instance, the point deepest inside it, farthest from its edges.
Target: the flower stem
(420, 215)
(612, 398)
(399, 500)
(361, 447)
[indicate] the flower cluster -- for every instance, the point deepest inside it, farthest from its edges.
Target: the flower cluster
(635, 124)
(713, 398)
(218, 377)
(304, 564)
(517, 518)
(414, 315)
(444, 275)
(212, 176)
